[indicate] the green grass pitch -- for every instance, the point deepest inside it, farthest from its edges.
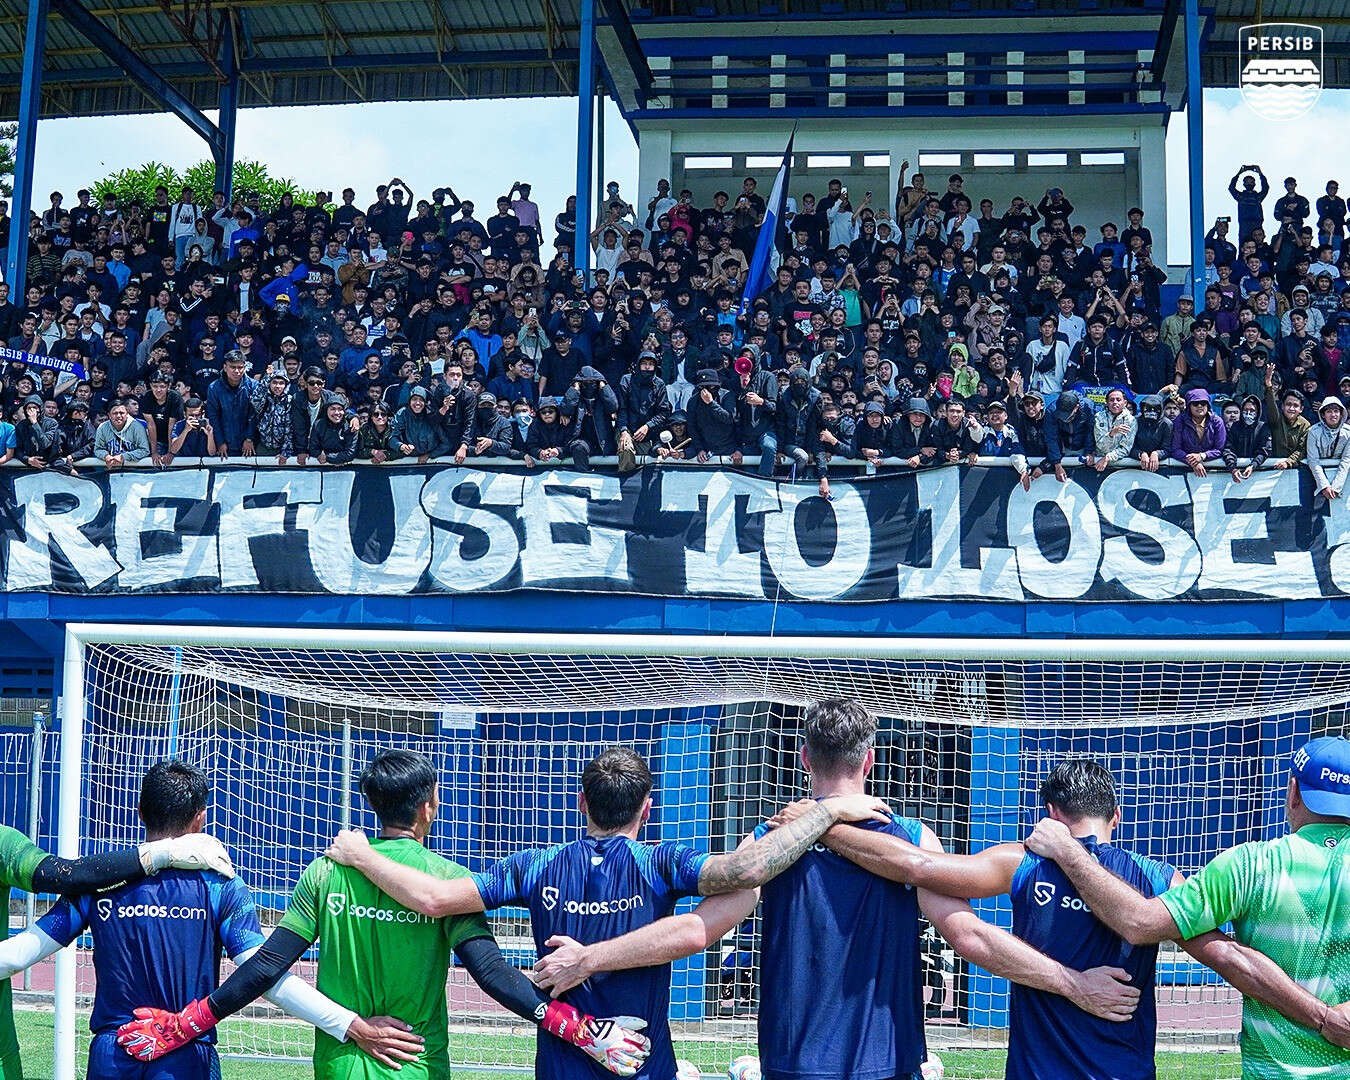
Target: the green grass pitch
(35, 1037)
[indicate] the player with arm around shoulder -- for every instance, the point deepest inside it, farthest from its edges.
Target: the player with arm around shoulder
(1049, 1035)
(834, 1005)
(377, 956)
(606, 884)
(25, 866)
(158, 941)
(1286, 898)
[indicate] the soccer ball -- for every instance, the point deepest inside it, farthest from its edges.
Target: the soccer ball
(686, 1070)
(745, 1067)
(932, 1068)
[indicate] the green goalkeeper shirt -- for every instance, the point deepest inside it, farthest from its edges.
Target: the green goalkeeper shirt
(1290, 899)
(19, 858)
(380, 959)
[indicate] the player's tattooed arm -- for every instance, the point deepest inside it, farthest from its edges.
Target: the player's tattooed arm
(1138, 919)
(751, 865)
(987, 873)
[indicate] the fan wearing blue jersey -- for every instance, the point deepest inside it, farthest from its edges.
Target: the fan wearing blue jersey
(1049, 1035)
(159, 941)
(840, 976)
(607, 884)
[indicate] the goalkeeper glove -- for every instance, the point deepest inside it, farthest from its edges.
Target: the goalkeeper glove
(614, 1042)
(156, 1032)
(195, 851)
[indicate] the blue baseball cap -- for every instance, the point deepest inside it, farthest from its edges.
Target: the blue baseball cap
(1322, 769)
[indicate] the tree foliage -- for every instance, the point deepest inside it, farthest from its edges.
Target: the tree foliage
(132, 185)
(8, 134)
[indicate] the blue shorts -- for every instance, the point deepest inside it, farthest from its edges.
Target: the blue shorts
(108, 1061)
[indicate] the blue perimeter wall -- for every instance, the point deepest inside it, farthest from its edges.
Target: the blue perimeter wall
(33, 627)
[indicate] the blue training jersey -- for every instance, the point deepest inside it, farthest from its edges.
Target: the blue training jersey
(591, 890)
(1050, 1035)
(841, 989)
(158, 942)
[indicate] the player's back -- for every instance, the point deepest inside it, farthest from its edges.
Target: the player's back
(840, 970)
(378, 958)
(591, 890)
(158, 942)
(1298, 914)
(1050, 1035)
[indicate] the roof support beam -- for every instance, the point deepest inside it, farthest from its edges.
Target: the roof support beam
(228, 117)
(1195, 152)
(30, 106)
(155, 86)
(581, 257)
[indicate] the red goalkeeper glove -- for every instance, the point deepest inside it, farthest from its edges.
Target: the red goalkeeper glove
(156, 1032)
(614, 1042)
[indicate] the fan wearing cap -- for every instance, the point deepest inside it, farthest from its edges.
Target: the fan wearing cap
(272, 404)
(1000, 437)
(644, 408)
(549, 437)
(1329, 441)
(592, 408)
(712, 419)
(1068, 432)
(1285, 898)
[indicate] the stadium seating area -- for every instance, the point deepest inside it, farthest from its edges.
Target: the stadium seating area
(940, 329)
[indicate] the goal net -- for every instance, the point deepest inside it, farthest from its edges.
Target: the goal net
(283, 722)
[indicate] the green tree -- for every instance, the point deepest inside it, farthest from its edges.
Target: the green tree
(8, 134)
(131, 185)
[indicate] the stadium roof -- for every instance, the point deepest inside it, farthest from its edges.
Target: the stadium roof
(298, 52)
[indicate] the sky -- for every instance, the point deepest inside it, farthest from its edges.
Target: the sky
(485, 145)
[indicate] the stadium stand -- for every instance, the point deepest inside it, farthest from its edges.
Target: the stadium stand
(940, 328)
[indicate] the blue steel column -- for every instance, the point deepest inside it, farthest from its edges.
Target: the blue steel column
(1195, 152)
(229, 115)
(585, 132)
(600, 101)
(30, 107)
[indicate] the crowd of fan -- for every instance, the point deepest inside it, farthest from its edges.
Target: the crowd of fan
(927, 332)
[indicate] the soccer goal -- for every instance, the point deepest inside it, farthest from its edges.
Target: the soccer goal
(283, 720)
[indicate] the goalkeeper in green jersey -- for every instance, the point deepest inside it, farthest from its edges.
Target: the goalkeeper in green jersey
(372, 950)
(1288, 898)
(25, 866)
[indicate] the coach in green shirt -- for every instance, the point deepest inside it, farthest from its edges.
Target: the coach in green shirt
(1288, 898)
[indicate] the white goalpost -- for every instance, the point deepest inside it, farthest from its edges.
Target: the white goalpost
(1197, 733)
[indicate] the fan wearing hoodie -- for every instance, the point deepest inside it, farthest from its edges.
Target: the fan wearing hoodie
(1152, 434)
(332, 439)
(548, 437)
(37, 438)
(756, 393)
(1198, 435)
(872, 438)
(831, 436)
(795, 408)
(644, 407)
(454, 408)
(416, 430)
(1249, 438)
(914, 437)
(1329, 440)
(592, 407)
(712, 419)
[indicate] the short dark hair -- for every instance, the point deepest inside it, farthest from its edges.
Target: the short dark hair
(615, 785)
(1080, 788)
(172, 794)
(396, 783)
(839, 732)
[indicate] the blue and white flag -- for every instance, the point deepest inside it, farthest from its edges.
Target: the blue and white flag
(34, 360)
(757, 280)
